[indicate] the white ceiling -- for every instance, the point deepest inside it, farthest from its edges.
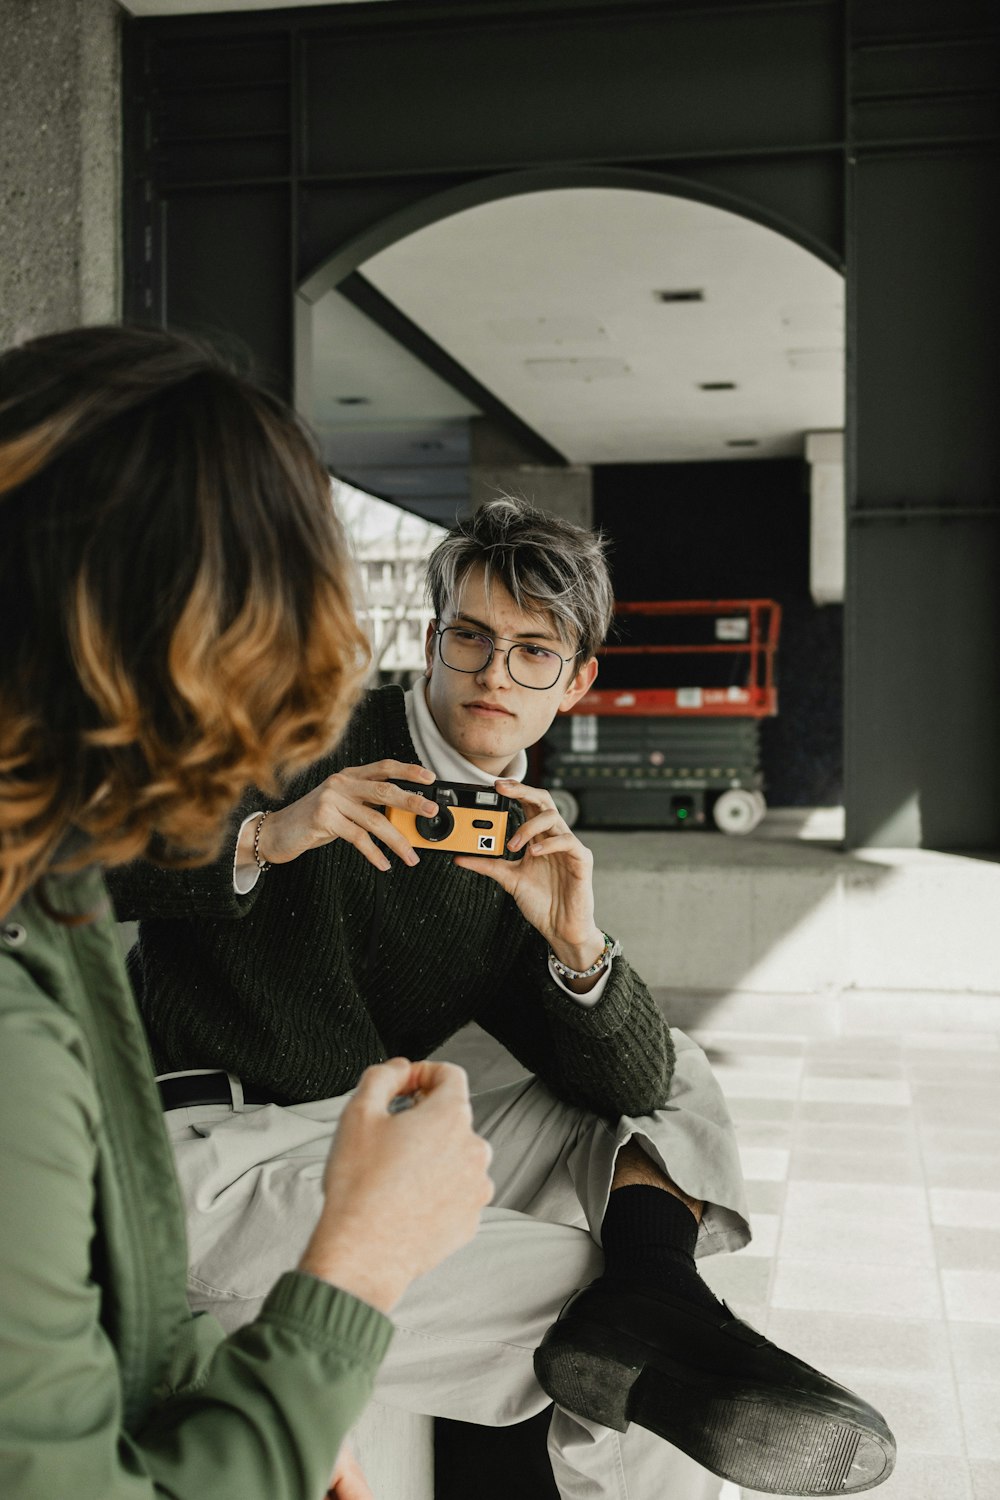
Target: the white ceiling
(353, 357)
(409, 438)
(548, 299)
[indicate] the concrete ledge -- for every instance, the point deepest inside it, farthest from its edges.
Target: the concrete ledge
(853, 1013)
(787, 917)
(743, 1013)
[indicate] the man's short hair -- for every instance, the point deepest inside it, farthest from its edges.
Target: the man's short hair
(543, 562)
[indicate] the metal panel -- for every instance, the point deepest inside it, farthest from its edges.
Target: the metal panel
(512, 89)
(331, 215)
(923, 621)
(228, 274)
(923, 678)
(926, 250)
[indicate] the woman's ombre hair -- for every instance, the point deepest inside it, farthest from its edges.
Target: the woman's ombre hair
(177, 608)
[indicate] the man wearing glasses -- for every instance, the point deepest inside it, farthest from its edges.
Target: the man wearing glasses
(614, 1162)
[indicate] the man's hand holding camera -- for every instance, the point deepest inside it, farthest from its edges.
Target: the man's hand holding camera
(553, 885)
(347, 806)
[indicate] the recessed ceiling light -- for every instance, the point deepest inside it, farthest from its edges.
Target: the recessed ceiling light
(353, 401)
(742, 442)
(717, 385)
(680, 294)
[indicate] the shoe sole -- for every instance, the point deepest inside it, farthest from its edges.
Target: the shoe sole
(745, 1435)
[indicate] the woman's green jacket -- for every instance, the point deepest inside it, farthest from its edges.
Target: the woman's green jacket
(109, 1388)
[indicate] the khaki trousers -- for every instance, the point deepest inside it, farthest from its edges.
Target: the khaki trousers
(251, 1179)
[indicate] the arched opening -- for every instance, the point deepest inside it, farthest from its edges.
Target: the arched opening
(665, 364)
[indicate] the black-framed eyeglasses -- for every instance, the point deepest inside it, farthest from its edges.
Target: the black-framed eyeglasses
(530, 666)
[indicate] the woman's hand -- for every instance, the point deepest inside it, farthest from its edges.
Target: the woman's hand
(403, 1190)
(348, 1482)
(344, 806)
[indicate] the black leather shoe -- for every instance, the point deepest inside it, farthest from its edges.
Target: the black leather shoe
(718, 1390)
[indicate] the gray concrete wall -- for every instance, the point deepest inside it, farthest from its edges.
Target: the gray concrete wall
(567, 492)
(701, 913)
(60, 165)
(499, 465)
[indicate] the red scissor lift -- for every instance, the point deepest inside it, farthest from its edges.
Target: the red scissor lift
(670, 736)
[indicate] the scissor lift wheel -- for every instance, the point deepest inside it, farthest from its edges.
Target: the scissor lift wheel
(738, 810)
(566, 805)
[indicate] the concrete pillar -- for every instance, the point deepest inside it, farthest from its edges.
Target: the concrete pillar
(60, 165)
(922, 618)
(827, 527)
(498, 465)
(561, 492)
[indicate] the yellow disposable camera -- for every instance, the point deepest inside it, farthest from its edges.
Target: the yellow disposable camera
(469, 820)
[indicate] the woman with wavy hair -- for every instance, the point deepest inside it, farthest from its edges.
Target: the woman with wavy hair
(176, 622)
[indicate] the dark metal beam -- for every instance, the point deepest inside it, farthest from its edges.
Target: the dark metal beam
(393, 321)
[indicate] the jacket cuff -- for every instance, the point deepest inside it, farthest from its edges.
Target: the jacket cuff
(326, 1314)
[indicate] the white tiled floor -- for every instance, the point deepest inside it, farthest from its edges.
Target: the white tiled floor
(874, 1171)
(873, 1168)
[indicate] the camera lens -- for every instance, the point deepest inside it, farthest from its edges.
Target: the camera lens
(436, 830)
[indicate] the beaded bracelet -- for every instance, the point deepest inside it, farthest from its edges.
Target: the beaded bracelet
(262, 864)
(567, 973)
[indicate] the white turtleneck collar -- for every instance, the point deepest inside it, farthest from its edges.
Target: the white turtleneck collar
(440, 757)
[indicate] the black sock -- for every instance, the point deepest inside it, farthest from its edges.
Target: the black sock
(649, 1237)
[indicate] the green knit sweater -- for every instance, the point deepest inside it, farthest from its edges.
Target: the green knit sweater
(288, 988)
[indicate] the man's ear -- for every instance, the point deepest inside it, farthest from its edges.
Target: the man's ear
(430, 647)
(580, 684)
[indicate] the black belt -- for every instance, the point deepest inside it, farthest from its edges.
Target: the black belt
(196, 1089)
